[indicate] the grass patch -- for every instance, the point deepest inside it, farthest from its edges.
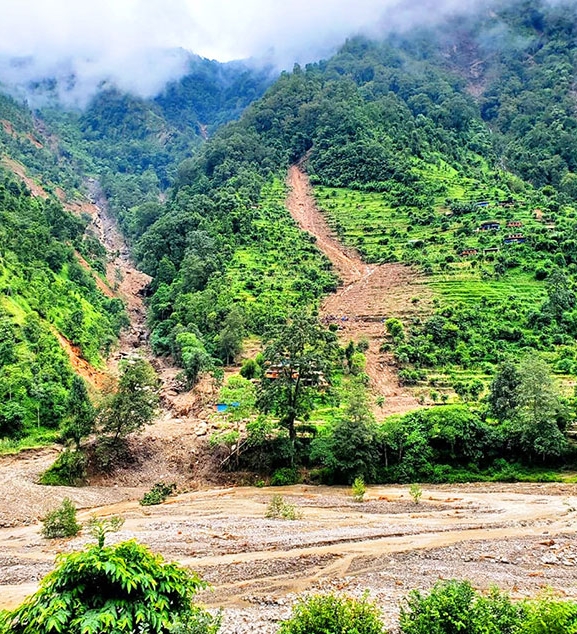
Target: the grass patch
(35, 439)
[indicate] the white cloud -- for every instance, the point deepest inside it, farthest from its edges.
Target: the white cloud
(134, 43)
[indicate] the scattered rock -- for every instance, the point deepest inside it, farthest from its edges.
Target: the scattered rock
(549, 559)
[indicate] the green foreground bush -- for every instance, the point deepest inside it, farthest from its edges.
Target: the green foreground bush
(325, 614)
(120, 589)
(451, 607)
(455, 607)
(548, 615)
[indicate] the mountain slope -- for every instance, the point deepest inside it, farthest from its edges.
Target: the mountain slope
(408, 167)
(50, 305)
(59, 312)
(133, 144)
(518, 61)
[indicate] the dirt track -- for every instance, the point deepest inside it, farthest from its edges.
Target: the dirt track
(519, 537)
(369, 294)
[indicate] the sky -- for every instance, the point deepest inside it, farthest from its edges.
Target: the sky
(139, 45)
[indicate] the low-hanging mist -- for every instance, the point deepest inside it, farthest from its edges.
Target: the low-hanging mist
(140, 45)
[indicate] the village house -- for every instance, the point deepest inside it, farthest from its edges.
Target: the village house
(514, 238)
(490, 225)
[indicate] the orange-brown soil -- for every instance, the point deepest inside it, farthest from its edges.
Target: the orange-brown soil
(368, 295)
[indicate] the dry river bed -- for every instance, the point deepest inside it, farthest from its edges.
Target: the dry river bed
(519, 537)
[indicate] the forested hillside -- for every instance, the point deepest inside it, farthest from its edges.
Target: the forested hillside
(519, 63)
(51, 303)
(449, 151)
(46, 294)
(398, 122)
(134, 144)
(410, 165)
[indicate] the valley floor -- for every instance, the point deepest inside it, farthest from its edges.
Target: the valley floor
(519, 537)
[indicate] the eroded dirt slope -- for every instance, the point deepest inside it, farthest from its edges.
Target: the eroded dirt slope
(368, 295)
(170, 449)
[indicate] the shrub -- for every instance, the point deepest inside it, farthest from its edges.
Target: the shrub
(279, 509)
(285, 477)
(408, 376)
(329, 613)
(69, 469)
(416, 492)
(249, 369)
(357, 363)
(200, 622)
(112, 590)
(359, 489)
(157, 494)
(548, 615)
(541, 273)
(61, 522)
(453, 607)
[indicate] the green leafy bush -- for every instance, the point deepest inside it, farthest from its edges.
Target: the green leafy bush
(157, 494)
(61, 522)
(112, 590)
(285, 477)
(249, 369)
(548, 615)
(322, 614)
(415, 492)
(359, 489)
(279, 509)
(453, 607)
(100, 527)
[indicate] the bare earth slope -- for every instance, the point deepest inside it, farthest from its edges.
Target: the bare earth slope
(369, 294)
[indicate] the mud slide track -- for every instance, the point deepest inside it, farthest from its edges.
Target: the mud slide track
(368, 294)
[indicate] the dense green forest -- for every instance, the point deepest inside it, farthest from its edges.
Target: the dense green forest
(399, 125)
(129, 144)
(45, 293)
(411, 166)
(134, 145)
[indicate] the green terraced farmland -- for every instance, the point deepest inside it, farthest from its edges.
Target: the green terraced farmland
(493, 261)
